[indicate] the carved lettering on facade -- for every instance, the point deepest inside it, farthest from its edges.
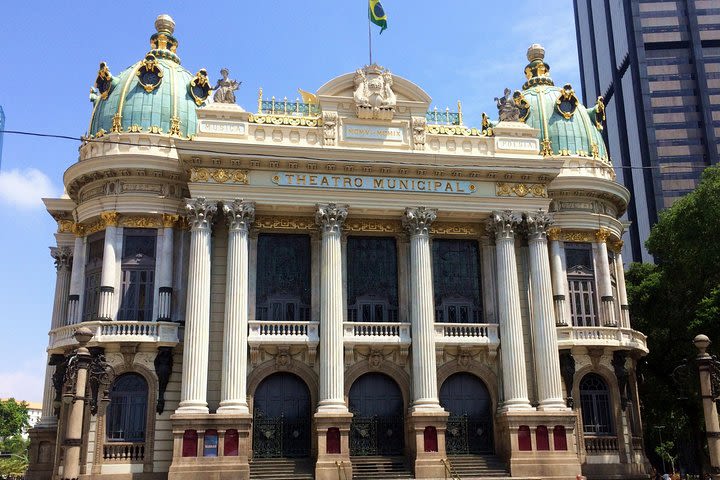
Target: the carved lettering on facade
(388, 184)
(223, 127)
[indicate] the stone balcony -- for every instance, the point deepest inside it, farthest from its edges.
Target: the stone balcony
(613, 337)
(163, 334)
(282, 340)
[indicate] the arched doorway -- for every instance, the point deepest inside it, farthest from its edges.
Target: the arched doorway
(377, 425)
(281, 417)
(469, 427)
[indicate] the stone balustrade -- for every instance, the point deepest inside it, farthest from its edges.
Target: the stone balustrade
(376, 333)
(601, 337)
(466, 333)
(123, 452)
(601, 444)
(162, 333)
(279, 332)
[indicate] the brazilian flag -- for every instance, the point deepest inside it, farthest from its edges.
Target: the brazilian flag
(377, 14)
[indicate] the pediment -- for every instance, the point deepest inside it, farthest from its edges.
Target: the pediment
(344, 86)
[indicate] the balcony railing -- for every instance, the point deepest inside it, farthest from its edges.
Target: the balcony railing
(383, 333)
(162, 333)
(123, 452)
(600, 445)
(278, 332)
(467, 333)
(601, 336)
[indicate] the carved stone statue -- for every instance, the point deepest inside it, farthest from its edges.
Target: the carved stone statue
(507, 109)
(225, 88)
(373, 95)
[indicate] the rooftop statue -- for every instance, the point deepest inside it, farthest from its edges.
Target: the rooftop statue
(373, 93)
(507, 109)
(225, 88)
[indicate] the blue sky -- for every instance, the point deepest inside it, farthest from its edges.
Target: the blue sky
(465, 50)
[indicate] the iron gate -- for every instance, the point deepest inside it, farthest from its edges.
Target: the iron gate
(468, 435)
(275, 437)
(376, 436)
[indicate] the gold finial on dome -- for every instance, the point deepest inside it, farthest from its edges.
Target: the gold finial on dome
(165, 24)
(534, 52)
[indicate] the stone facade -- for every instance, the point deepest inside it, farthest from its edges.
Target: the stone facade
(222, 365)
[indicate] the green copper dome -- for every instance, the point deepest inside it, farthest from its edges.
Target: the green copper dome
(154, 95)
(566, 126)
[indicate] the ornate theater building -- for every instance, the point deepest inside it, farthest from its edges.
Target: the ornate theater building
(346, 286)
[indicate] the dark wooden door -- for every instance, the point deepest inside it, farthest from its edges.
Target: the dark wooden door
(469, 428)
(377, 425)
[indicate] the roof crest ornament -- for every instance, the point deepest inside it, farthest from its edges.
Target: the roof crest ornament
(537, 71)
(373, 95)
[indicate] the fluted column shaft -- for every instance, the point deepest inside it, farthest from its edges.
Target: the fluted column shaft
(108, 275)
(515, 390)
(330, 218)
(607, 304)
(165, 269)
(74, 310)
(417, 222)
(233, 390)
(77, 370)
(559, 278)
(193, 392)
(622, 289)
(545, 345)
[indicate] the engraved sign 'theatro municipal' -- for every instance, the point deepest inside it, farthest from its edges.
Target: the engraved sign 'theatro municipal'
(361, 182)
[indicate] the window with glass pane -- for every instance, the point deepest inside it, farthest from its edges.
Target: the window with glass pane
(456, 281)
(595, 404)
(372, 280)
(137, 274)
(93, 272)
(283, 278)
(581, 284)
(127, 412)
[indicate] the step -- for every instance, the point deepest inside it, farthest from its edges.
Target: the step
(380, 467)
(282, 469)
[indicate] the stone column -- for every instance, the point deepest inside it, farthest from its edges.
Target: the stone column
(74, 309)
(559, 278)
(233, 391)
(607, 303)
(108, 276)
(77, 372)
(165, 269)
(707, 368)
(193, 393)
(622, 290)
(422, 310)
(330, 218)
(504, 224)
(545, 345)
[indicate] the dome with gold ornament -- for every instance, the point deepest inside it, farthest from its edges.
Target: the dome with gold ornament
(154, 95)
(567, 127)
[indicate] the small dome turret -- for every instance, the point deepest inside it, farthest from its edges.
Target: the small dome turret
(154, 95)
(566, 126)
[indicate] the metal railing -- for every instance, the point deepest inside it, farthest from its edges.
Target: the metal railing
(287, 108)
(449, 470)
(342, 474)
(438, 117)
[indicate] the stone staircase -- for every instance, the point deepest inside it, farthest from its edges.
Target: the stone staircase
(380, 467)
(282, 469)
(478, 466)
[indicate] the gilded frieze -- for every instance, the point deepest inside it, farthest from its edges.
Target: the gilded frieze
(463, 229)
(140, 222)
(503, 189)
(285, 223)
(219, 175)
(457, 130)
(65, 226)
(285, 120)
(372, 226)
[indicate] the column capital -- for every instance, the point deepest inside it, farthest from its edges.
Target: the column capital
(169, 220)
(417, 220)
(110, 219)
(554, 233)
(330, 217)
(537, 224)
(62, 256)
(602, 234)
(240, 214)
(200, 213)
(504, 223)
(616, 245)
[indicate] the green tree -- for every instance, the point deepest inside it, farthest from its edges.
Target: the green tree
(14, 448)
(672, 302)
(13, 418)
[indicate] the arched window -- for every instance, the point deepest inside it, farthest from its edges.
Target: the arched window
(127, 412)
(595, 404)
(456, 281)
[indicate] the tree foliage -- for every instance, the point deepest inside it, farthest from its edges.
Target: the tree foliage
(13, 418)
(672, 302)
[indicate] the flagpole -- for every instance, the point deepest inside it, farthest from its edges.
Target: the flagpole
(369, 38)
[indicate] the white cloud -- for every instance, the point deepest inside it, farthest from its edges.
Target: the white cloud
(25, 188)
(25, 382)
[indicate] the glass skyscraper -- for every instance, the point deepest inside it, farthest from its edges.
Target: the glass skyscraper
(657, 63)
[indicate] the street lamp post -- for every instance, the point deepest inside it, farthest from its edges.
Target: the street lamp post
(659, 428)
(709, 386)
(77, 370)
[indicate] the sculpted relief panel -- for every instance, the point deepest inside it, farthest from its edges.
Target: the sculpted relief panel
(373, 94)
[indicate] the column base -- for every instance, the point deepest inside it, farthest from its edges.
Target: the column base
(331, 466)
(517, 405)
(217, 464)
(233, 408)
(330, 407)
(43, 443)
(522, 453)
(192, 408)
(427, 450)
(553, 404)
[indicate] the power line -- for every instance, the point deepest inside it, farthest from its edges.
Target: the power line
(667, 168)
